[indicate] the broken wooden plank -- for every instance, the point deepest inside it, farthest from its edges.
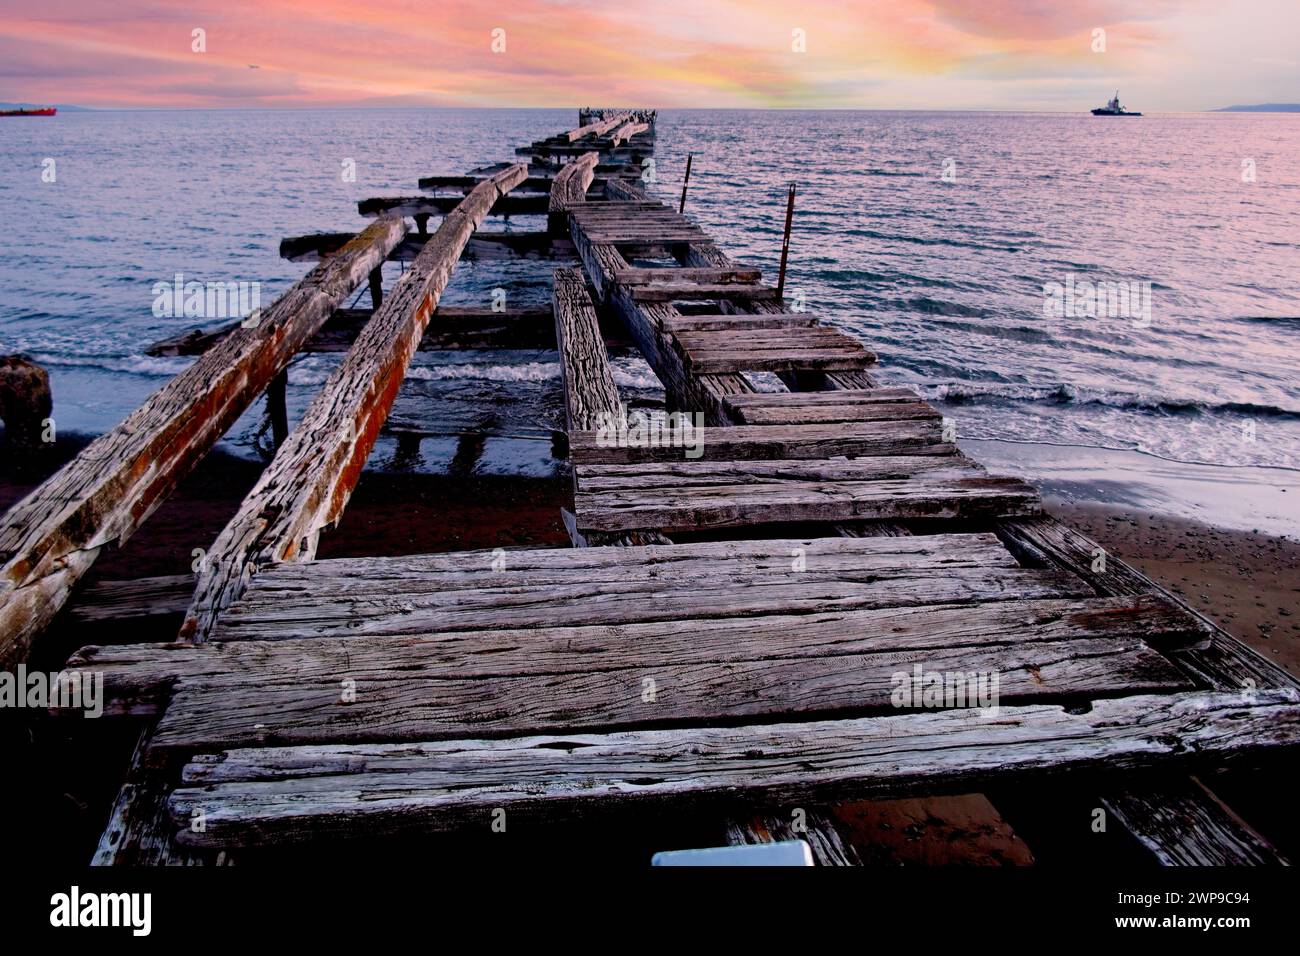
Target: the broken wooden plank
(612, 603)
(1182, 823)
(672, 509)
(739, 324)
(707, 276)
(486, 243)
(453, 327)
(596, 129)
(132, 598)
(827, 414)
(393, 703)
(275, 795)
(693, 291)
(591, 398)
(744, 442)
(568, 190)
(308, 484)
(139, 678)
(51, 537)
(411, 206)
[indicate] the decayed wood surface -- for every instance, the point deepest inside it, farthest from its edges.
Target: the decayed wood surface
(568, 189)
(396, 702)
(453, 327)
(774, 442)
(589, 388)
(597, 128)
(51, 537)
(485, 243)
(1184, 824)
(265, 796)
(772, 350)
(307, 485)
(504, 205)
(675, 510)
(140, 678)
(608, 603)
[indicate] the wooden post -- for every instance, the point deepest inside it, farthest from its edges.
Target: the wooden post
(50, 538)
(277, 407)
(785, 243)
(685, 181)
(422, 223)
(308, 484)
(376, 287)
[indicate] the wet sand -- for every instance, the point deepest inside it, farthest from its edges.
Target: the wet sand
(1247, 582)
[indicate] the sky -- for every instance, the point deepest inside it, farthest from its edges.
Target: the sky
(896, 54)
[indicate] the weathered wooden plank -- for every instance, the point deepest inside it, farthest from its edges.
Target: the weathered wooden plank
(689, 291)
(672, 509)
(139, 831)
(1172, 820)
(589, 390)
(135, 598)
(308, 484)
(837, 398)
(294, 794)
(828, 414)
(486, 243)
(683, 560)
(738, 324)
(568, 190)
(1181, 823)
(612, 603)
(394, 704)
(714, 276)
(705, 473)
(139, 678)
(744, 442)
(597, 128)
(505, 205)
(742, 357)
(51, 537)
(626, 131)
(453, 327)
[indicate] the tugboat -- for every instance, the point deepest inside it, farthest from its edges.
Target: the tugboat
(43, 111)
(1113, 108)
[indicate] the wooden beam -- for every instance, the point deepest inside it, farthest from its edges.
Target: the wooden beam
(589, 388)
(282, 795)
(486, 244)
(569, 188)
(454, 327)
(527, 204)
(307, 485)
(140, 678)
(51, 537)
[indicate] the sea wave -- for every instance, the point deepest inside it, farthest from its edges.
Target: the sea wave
(966, 393)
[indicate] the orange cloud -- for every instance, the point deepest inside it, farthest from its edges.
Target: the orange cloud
(564, 52)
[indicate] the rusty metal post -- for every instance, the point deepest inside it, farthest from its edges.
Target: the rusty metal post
(785, 243)
(682, 208)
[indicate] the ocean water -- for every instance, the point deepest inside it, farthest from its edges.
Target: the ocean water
(931, 235)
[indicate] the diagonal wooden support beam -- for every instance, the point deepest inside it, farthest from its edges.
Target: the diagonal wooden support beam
(307, 485)
(50, 538)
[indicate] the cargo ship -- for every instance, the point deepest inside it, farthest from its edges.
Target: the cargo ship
(42, 111)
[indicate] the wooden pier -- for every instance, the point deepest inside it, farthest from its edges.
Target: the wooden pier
(725, 637)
